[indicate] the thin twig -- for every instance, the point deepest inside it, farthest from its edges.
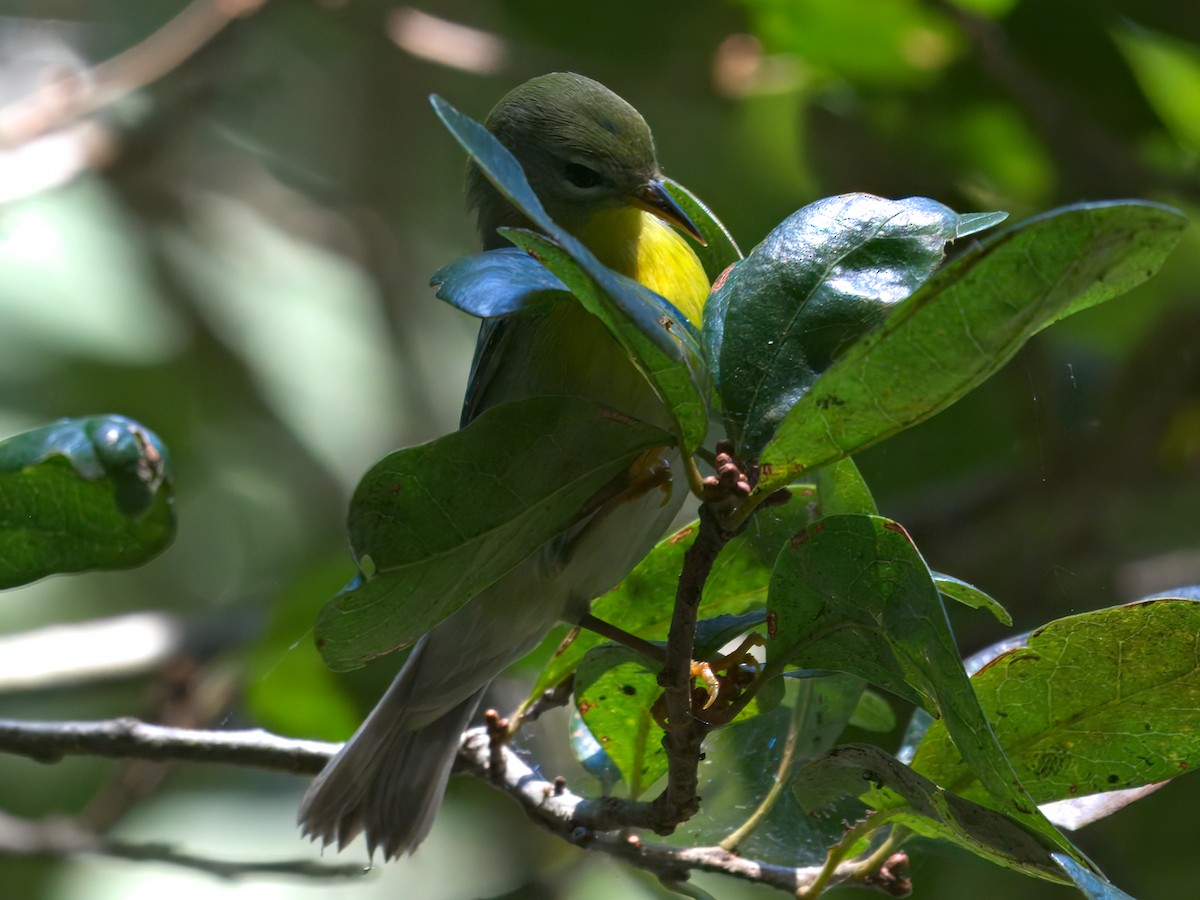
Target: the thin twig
(58, 837)
(49, 742)
(734, 840)
(77, 94)
(685, 733)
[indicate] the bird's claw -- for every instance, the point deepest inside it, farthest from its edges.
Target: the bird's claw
(725, 678)
(704, 670)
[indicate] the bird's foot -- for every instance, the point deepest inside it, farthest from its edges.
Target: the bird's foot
(724, 678)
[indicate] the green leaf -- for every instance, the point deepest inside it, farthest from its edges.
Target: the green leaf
(900, 796)
(1101, 701)
(678, 375)
(656, 335)
(713, 634)
(1090, 884)
(841, 490)
(288, 688)
(749, 764)
(587, 750)
(720, 250)
(832, 37)
(431, 526)
(822, 278)
(495, 283)
(965, 323)
(852, 594)
(969, 595)
(90, 493)
(642, 603)
(615, 692)
(873, 713)
(1168, 71)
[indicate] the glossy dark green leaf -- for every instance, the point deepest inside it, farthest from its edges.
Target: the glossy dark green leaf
(615, 693)
(900, 796)
(655, 334)
(90, 493)
(720, 250)
(823, 277)
(495, 283)
(1101, 701)
(965, 323)
(431, 526)
(642, 603)
(852, 594)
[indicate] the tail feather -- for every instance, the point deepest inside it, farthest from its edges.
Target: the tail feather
(388, 780)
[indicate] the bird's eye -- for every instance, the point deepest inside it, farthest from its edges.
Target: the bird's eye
(582, 176)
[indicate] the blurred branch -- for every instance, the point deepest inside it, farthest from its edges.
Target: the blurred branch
(60, 836)
(80, 652)
(49, 742)
(71, 95)
(549, 804)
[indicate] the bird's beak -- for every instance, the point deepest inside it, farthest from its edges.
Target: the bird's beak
(653, 198)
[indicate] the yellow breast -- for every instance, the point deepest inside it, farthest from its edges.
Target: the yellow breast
(648, 250)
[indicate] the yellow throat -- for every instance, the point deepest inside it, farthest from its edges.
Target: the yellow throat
(642, 246)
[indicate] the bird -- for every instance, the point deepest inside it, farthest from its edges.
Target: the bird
(590, 158)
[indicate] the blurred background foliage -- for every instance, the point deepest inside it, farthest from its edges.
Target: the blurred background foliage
(225, 229)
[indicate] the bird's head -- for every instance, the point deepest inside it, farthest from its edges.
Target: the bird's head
(583, 149)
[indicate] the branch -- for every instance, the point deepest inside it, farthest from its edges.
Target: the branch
(49, 742)
(685, 733)
(60, 836)
(549, 804)
(75, 94)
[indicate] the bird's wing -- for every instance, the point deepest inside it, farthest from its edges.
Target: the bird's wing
(489, 356)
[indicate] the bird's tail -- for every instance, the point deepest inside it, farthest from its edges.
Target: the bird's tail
(388, 780)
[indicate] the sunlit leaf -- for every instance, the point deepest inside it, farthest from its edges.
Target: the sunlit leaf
(615, 693)
(965, 323)
(900, 42)
(841, 490)
(1101, 701)
(495, 283)
(824, 277)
